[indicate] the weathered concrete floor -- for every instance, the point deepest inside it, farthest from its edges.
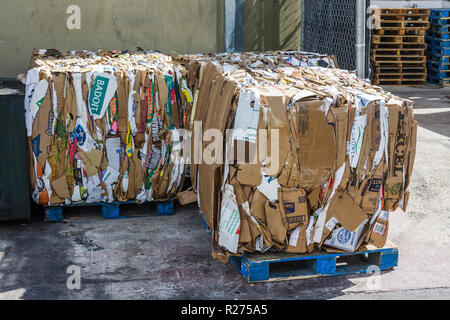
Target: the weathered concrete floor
(169, 257)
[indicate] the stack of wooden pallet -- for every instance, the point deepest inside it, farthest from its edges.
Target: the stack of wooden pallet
(398, 46)
(438, 39)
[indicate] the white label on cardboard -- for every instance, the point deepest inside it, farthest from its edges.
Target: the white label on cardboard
(76, 196)
(356, 139)
(111, 176)
(38, 97)
(346, 240)
(81, 106)
(247, 117)
(384, 215)
(230, 221)
(132, 104)
(320, 224)
(102, 91)
(309, 231)
(114, 152)
(84, 138)
(269, 188)
(294, 237)
(379, 229)
(384, 136)
(332, 223)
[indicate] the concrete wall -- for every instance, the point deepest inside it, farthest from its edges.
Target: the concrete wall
(272, 24)
(184, 26)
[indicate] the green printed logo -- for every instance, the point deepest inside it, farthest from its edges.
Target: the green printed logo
(98, 93)
(395, 190)
(39, 103)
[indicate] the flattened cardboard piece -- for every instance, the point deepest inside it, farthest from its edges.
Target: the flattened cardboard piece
(223, 92)
(297, 239)
(314, 199)
(61, 188)
(285, 175)
(410, 166)
(379, 231)
(187, 197)
(122, 117)
(90, 169)
(283, 135)
(369, 193)
(258, 207)
(95, 157)
(275, 225)
(317, 140)
(42, 134)
(367, 140)
(340, 116)
(294, 207)
(345, 212)
(230, 224)
(249, 174)
(397, 148)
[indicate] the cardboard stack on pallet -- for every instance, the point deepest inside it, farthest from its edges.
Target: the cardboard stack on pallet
(102, 126)
(438, 39)
(297, 160)
(398, 46)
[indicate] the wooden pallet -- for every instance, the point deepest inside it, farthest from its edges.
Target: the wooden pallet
(401, 11)
(400, 31)
(402, 24)
(399, 83)
(398, 52)
(399, 46)
(399, 70)
(403, 17)
(395, 58)
(270, 267)
(390, 39)
(400, 77)
(111, 211)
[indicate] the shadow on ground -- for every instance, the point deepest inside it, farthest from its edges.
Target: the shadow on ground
(139, 258)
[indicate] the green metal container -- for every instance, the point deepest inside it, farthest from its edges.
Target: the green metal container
(14, 180)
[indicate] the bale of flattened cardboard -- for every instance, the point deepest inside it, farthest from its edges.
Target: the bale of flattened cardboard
(102, 126)
(334, 156)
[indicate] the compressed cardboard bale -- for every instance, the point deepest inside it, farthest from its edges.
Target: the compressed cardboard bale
(347, 145)
(101, 126)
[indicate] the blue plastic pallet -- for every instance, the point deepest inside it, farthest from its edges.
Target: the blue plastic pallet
(440, 13)
(439, 21)
(439, 81)
(437, 66)
(441, 29)
(283, 267)
(439, 74)
(437, 35)
(440, 59)
(110, 211)
(439, 51)
(442, 43)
